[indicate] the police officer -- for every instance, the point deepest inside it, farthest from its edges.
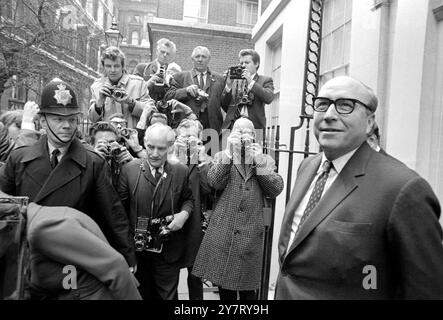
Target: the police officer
(58, 170)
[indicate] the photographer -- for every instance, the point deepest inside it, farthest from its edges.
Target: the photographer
(132, 139)
(230, 254)
(157, 73)
(104, 139)
(158, 199)
(246, 91)
(200, 89)
(117, 91)
(189, 150)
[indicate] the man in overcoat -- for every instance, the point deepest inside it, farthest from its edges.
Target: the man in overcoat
(154, 189)
(230, 255)
(58, 170)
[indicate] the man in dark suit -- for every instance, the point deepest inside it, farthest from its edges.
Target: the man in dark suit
(359, 224)
(58, 170)
(155, 72)
(154, 189)
(248, 95)
(201, 89)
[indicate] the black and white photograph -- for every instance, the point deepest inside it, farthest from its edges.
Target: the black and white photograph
(248, 152)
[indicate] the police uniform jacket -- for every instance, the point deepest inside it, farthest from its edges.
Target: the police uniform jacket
(81, 181)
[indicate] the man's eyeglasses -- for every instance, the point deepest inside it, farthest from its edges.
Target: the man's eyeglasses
(342, 106)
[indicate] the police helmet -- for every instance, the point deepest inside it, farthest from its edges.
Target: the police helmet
(59, 98)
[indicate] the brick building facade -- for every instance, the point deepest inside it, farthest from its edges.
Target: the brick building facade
(224, 26)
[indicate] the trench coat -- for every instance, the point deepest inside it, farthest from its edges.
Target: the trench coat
(230, 255)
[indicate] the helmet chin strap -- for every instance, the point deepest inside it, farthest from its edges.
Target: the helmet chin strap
(55, 135)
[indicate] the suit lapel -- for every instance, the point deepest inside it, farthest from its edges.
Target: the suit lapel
(67, 170)
(147, 173)
(39, 166)
(304, 179)
(207, 84)
(165, 184)
(342, 187)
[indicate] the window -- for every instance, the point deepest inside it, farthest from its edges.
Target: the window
(336, 39)
(95, 10)
(276, 49)
(105, 19)
(195, 10)
(247, 11)
(134, 38)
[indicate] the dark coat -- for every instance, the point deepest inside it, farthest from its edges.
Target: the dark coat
(136, 187)
(263, 93)
(231, 252)
(198, 181)
(61, 236)
(377, 213)
(80, 181)
(213, 87)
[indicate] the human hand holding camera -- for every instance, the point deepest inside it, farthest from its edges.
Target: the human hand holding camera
(101, 147)
(228, 80)
(233, 145)
(124, 156)
(178, 221)
(247, 75)
(192, 90)
(131, 140)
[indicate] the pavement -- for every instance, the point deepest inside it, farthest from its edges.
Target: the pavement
(209, 293)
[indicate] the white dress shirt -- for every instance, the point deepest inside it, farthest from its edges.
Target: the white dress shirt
(338, 165)
(244, 110)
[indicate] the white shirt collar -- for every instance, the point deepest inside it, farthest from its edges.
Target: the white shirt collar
(338, 163)
(152, 169)
(62, 150)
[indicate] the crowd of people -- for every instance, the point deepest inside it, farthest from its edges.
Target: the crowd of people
(154, 188)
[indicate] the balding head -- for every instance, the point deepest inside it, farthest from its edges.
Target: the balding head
(352, 88)
(340, 133)
(158, 140)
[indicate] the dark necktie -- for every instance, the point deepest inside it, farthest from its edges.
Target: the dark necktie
(54, 159)
(157, 174)
(316, 192)
(200, 81)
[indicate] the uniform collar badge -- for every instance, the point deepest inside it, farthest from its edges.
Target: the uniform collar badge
(62, 95)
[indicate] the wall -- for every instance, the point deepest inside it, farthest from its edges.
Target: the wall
(291, 17)
(224, 46)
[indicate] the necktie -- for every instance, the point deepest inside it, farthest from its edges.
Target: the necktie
(316, 192)
(200, 80)
(157, 174)
(54, 160)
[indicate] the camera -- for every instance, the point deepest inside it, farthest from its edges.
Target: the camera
(151, 233)
(244, 100)
(236, 72)
(117, 93)
(126, 132)
(202, 95)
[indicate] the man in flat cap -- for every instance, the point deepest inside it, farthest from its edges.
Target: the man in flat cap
(359, 224)
(58, 170)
